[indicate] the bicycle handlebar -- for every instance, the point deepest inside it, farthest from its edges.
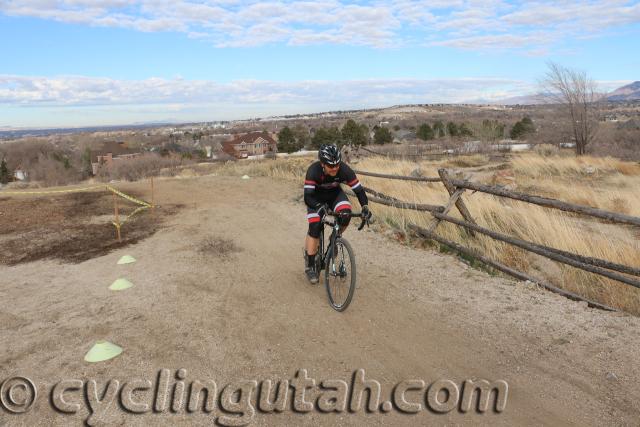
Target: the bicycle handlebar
(365, 221)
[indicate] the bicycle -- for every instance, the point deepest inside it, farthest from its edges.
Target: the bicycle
(339, 268)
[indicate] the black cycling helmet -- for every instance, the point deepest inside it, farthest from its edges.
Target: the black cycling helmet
(329, 154)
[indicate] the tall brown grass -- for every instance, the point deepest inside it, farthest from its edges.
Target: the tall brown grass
(604, 183)
(146, 165)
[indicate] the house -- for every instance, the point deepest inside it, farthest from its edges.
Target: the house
(250, 144)
(110, 153)
(20, 174)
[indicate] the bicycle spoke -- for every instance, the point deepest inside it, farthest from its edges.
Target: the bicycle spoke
(339, 276)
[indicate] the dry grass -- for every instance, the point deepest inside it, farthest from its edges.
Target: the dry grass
(219, 247)
(604, 183)
(146, 165)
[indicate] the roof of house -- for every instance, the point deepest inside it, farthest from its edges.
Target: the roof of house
(114, 147)
(248, 138)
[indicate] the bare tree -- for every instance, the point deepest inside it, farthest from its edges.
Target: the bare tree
(576, 92)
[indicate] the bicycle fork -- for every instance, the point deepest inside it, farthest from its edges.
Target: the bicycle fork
(332, 255)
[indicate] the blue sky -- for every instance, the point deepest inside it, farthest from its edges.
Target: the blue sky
(81, 62)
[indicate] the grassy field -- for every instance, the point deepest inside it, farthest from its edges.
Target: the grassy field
(604, 183)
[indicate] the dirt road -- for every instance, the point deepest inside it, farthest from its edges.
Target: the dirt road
(220, 291)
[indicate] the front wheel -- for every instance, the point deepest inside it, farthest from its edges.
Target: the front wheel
(340, 274)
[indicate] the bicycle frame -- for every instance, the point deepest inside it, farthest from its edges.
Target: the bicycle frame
(330, 219)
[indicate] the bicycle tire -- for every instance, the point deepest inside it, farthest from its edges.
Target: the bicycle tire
(340, 246)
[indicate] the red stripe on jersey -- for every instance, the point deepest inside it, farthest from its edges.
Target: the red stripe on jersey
(306, 181)
(314, 219)
(355, 181)
(343, 207)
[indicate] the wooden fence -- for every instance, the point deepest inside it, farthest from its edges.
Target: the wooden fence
(456, 188)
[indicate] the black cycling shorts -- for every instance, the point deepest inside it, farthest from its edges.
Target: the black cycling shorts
(338, 202)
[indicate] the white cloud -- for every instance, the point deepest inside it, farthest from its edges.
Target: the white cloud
(74, 91)
(498, 41)
(379, 24)
(79, 100)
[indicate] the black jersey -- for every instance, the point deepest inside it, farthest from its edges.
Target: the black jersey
(319, 187)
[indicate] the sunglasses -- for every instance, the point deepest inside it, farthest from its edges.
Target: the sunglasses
(328, 166)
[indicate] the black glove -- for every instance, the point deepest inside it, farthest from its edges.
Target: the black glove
(322, 210)
(366, 213)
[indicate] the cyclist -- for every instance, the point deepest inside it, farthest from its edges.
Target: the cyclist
(322, 188)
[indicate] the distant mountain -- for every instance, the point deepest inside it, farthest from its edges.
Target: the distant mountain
(523, 100)
(630, 92)
(532, 99)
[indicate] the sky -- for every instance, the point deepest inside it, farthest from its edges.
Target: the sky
(66, 63)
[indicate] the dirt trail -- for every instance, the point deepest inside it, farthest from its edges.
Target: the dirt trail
(250, 314)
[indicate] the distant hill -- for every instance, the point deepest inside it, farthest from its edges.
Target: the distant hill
(532, 99)
(630, 92)
(523, 100)
(8, 132)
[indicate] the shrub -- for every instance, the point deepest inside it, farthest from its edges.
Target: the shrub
(143, 166)
(546, 150)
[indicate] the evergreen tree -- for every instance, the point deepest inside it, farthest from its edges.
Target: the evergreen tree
(352, 133)
(87, 168)
(4, 172)
(327, 136)
(425, 132)
(382, 135)
(452, 129)
(522, 128)
(287, 141)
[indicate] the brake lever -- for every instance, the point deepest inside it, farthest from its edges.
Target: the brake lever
(364, 221)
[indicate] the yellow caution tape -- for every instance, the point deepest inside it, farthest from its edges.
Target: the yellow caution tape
(128, 217)
(130, 198)
(73, 190)
(143, 205)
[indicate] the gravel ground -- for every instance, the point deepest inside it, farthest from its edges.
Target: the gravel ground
(219, 291)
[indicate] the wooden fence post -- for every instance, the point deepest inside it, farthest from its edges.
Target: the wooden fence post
(454, 198)
(153, 203)
(117, 213)
(444, 175)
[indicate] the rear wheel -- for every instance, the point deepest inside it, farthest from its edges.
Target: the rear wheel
(340, 274)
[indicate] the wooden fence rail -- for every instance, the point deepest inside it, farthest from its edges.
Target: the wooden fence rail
(456, 188)
(550, 203)
(390, 201)
(538, 249)
(407, 155)
(504, 268)
(400, 177)
(418, 207)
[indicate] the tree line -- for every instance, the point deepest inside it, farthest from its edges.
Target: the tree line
(351, 133)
